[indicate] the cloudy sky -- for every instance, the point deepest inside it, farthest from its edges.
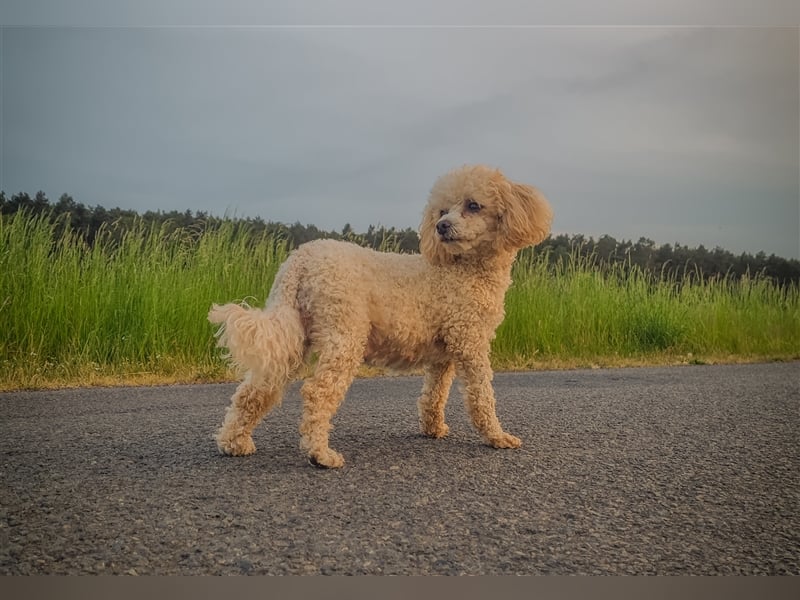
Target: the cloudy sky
(678, 134)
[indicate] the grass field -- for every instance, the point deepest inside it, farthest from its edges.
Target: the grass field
(133, 309)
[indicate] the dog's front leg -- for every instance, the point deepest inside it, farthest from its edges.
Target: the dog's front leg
(480, 402)
(436, 389)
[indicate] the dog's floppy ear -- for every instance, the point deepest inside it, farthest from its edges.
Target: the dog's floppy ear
(525, 215)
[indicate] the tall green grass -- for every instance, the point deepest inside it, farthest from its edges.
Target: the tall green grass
(132, 307)
(578, 312)
(129, 306)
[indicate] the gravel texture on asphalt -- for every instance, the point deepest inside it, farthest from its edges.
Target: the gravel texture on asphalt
(687, 470)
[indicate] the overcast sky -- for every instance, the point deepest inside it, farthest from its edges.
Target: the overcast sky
(678, 134)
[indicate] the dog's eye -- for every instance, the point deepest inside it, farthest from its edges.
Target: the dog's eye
(442, 213)
(473, 206)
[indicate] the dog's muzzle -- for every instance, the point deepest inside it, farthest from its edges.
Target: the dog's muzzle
(445, 230)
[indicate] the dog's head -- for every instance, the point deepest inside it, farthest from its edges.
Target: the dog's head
(475, 210)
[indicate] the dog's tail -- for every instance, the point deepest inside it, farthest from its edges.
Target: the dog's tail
(268, 342)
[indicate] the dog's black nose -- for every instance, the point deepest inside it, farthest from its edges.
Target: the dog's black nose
(442, 227)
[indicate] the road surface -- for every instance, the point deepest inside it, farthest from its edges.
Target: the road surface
(688, 470)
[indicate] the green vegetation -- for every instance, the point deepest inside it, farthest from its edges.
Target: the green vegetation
(579, 313)
(667, 260)
(126, 308)
(130, 307)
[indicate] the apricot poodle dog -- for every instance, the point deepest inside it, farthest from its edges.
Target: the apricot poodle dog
(347, 305)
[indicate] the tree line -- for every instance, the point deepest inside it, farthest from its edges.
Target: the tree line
(675, 261)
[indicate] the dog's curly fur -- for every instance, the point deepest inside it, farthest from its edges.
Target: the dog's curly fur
(348, 305)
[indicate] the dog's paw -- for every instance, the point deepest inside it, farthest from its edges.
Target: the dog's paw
(439, 430)
(327, 459)
(239, 446)
(505, 440)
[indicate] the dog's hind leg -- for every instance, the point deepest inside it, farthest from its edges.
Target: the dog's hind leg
(435, 391)
(322, 394)
(252, 400)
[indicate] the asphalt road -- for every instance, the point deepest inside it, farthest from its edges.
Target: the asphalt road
(690, 470)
